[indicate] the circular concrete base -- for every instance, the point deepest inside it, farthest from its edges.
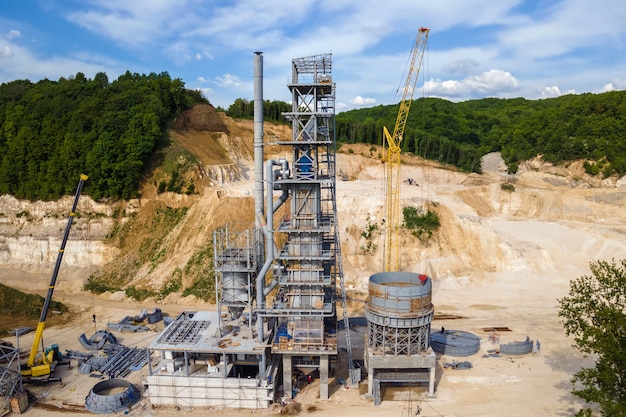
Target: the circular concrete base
(454, 342)
(111, 396)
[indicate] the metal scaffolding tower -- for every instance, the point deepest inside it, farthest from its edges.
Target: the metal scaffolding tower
(237, 259)
(10, 378)
(304, 302)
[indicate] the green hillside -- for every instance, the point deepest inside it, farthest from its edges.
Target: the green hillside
(570, 127)
(51, 131)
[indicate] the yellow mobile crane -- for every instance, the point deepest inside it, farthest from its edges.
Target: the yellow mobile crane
(392, 155)
(42, 366)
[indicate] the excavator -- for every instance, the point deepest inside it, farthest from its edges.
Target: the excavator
(40, 365)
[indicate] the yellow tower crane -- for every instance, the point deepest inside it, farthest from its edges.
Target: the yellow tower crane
(392, 155)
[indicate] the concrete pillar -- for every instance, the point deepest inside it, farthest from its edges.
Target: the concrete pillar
(324, 377)
(370, 382)
(431, 384)
(287, 373)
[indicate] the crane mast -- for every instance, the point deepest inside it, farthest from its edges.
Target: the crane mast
(392, 155)
(44, 365)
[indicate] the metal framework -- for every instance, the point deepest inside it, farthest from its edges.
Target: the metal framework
(305, 299)
(306, 295)
(10, 378)
(392, 155)
(237, 256)
(392, 340)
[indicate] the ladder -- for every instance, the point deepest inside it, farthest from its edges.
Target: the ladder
(344, 305)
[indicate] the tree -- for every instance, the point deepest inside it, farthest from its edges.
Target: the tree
(594, 313)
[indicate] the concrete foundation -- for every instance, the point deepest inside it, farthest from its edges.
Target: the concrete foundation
(396, 369)
(288, 371)
(167, 390)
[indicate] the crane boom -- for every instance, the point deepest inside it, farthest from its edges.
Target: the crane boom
(392, 155)
(44, 366)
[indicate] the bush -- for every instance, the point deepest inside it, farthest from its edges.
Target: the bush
(591, 168)
(421, 224)
(139, 294)
(507, 186)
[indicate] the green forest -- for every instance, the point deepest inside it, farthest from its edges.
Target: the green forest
(570, 127)
(51, 131)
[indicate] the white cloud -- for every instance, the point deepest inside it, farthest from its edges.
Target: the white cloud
(491, 83)
(362, 101)
(202, 80)
(228, 80)
(203, 55)
(13, 34)
(617, 84)
(207, 92)
(6, 51)
(22, 63)
(339, 107)
(461, 66)
(549, 92)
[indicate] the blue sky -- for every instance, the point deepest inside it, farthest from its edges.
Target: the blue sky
(477, 48)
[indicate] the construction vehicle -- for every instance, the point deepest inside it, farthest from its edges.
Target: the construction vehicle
(392, 155)
(41, 366)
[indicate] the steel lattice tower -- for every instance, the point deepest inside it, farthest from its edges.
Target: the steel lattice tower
(309, 261)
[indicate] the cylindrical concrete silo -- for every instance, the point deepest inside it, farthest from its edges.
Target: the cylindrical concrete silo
(399, 312)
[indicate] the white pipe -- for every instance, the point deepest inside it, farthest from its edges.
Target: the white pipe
(258, 133)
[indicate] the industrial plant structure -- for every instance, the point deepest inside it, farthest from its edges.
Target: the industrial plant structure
(278, 281)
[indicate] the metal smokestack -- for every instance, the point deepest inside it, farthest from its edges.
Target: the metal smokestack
(258, 190)
(258, 138)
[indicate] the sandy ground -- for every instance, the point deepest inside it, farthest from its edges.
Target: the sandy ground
(534, 254)
(536, 384)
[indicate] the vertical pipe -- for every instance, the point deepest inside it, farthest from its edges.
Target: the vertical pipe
(258, 135)
(258, 189)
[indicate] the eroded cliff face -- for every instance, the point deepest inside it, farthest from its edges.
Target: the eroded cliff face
(31, 232)
(471, 244)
